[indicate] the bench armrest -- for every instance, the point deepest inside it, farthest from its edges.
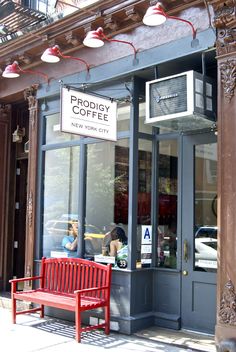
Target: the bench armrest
(92, 289)
(26, 279)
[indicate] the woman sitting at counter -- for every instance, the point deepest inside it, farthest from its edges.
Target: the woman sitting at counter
(119, 240)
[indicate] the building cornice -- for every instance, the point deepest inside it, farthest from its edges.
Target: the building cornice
(115, 16)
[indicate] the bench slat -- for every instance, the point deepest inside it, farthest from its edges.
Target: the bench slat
(58, 300)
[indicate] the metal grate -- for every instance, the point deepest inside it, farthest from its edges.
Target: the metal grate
(168, 96)
(15, 18)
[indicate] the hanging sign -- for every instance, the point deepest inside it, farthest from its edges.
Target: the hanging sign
(88, 115)
(146, 244)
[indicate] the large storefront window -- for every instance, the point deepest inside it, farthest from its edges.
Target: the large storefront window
(167, 203)
(106, 194)
(61, 183)
(106, 187)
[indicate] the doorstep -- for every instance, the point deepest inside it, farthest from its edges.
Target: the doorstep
(186, 339)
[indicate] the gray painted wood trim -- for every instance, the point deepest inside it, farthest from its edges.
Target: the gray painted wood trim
(133, 172)
(125, 67)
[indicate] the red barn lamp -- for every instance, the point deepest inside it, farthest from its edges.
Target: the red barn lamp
(156, 15)
(95, 39)
(14, 71)
(53, 55)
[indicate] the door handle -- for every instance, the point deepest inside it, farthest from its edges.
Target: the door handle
(186, 250)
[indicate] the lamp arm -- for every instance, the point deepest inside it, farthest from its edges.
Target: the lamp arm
(35, 73)
(185, 21)
(125, 42)
(74, 58)
(78, 59)
(121, 41)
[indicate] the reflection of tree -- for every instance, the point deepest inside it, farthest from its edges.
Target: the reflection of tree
(121, 185)
(102, 183)
(58, 181)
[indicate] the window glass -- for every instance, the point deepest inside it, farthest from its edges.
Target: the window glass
(123, 117)
(205, 207)
(107, 199)
(167, 203)
(53, 133)
(143, 127)
(144, 200)
(60, 196)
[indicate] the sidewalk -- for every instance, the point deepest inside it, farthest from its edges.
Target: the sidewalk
(32, 334)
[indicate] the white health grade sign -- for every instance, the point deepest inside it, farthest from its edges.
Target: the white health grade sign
(146, 244)
(88, 115)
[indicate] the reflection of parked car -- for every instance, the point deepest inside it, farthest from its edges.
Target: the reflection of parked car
(57, 229)
(206, 231)
(206, 253)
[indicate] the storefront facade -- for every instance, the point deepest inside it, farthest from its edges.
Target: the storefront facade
(159, 182)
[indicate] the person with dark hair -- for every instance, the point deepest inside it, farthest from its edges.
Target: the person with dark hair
(118, 241)
(69, 242)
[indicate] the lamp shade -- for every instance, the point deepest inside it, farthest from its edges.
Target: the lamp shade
(14, 71)
(51, 55)
(94, 39)
(154, 16)
(11, 71)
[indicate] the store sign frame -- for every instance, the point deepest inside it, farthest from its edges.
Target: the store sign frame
(88, 115)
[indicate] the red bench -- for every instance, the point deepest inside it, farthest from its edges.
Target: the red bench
(72, 284)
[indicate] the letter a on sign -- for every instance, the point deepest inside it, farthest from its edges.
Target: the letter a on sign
(147, 234)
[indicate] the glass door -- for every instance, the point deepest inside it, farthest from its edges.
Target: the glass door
(199, 232)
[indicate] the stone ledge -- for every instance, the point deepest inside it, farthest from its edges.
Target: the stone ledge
(5, 302)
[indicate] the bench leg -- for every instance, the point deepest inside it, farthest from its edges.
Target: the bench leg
(77, 325)
(13, 310)
(107, 320)
(42, 311)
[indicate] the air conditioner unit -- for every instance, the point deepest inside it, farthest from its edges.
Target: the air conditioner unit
(183, 102)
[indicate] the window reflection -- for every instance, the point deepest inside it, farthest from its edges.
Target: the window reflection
(53, 130)
(143, 127)
(107, 198)
(205, 207)
(144, 200)
(60, 197)
(167, 204)
(123, 117)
